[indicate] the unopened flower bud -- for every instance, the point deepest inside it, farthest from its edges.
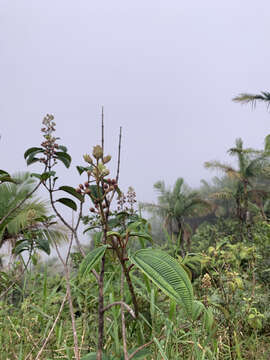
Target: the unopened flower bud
(106, 159)
(86, 184)
(81, 186)
(97, 152)
(88, 159)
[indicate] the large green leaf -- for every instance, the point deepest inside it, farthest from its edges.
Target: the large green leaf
(43, 244)
(33, 150)
(167, 274)
(70, 190)
(81, 169)
(64, 157)
(21, 245)
(91, 259)
(68, 202)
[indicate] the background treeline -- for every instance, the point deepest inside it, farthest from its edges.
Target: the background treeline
(190, 282)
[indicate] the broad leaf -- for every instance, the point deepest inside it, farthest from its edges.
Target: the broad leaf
(43, 244)
(70, 190)
(167, 274)
(141, 235)
(64, 157)
(3, 172)
(63, 148)
(91, 260)
(6, 178)
(68, 202)
(32, 159)
(197, 309)
(33, 150)
(47, 175)
(21, 245)
(81, 169)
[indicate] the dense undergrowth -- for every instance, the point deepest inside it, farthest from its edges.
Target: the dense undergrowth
(190, 283)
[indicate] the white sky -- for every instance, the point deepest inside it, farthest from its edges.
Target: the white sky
(165, 71)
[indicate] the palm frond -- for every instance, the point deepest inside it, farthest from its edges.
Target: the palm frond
(252, 99)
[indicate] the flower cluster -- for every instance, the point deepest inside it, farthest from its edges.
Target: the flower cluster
(49, 144)
(126, 202)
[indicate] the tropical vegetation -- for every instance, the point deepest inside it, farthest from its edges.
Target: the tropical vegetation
(185, 277)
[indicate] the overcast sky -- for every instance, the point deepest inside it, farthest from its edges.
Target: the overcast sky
(165, 71)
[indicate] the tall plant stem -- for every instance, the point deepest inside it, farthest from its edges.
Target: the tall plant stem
(69, 296)
(124, 338)
(121, 256)
(101, 310)
(131, 289)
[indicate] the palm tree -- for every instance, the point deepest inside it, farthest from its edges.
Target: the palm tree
(251, 164)
(221, 193)
(252, 99)
(175, 207)
(28, 226)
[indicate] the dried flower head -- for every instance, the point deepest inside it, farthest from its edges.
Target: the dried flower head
(206, 281)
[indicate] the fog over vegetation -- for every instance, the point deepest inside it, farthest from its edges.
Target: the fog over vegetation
(135, 178)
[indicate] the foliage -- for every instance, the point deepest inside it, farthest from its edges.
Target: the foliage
(125, 295)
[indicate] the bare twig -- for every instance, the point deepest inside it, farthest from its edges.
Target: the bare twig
(128, 308)
(102, 128)
(119, 155)
(141, 348)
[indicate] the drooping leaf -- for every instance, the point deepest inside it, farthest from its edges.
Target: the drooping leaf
(167, 274)
(21, 245)
(43, 244)
(197, 309)
(3, 172)
(81, 169)
(47, 175)
(64, 157)
(208, 319)
(32, 159)
(38, 176)
(91, 260)
(70, 190)
(6, 178)
(33, 150)
(90, 228)
(68, 202)
(141, 234)
(63, 148)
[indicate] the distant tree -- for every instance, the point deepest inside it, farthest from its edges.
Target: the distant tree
(175, 207)
(28, 225)
(251, 165)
